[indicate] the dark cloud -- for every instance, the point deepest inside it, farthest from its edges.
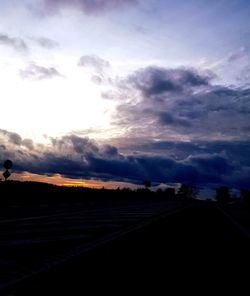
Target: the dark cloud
(208, 163)
(16, 43)
(211, 164)
(74, 144)
(109, 151)
(87, 6)
(35, 72)
(166, 118)
(154, 81)
(180, 103)
(235, 151)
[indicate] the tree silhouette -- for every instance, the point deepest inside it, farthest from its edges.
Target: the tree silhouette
(245, 196)
(146, 183)
(222, 195)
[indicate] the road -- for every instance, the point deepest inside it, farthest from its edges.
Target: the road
(116, 242)
(39, 241)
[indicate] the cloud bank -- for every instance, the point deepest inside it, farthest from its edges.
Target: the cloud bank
(202, 163)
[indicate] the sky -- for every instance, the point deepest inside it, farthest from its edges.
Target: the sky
(110, 93)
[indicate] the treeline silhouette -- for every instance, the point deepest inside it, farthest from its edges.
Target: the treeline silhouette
(29, 191)
(223, 196)
(17, 191)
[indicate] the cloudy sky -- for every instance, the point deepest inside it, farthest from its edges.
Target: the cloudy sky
(109, 93)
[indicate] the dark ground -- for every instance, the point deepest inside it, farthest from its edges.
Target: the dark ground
(198, 245)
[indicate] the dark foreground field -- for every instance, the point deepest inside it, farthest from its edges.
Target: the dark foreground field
(119, 246)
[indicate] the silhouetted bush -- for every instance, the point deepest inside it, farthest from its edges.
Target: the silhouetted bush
(146, 183)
